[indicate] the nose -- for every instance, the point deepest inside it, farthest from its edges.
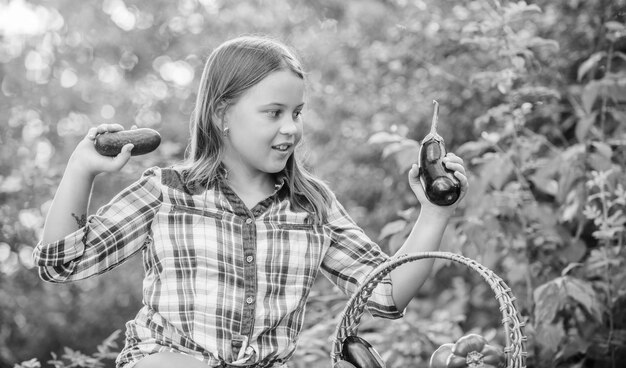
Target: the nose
(289, 126)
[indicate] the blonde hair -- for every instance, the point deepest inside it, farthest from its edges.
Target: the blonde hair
(231, 69)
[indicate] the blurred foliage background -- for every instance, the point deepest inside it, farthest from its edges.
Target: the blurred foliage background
(532, 97)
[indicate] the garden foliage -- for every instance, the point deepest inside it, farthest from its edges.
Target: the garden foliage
(531, 96)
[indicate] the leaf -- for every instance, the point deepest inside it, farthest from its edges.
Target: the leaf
(483, 41)
(599, 261)
(549, 336)
(583, 125)
(405, 153)
(33, 363)
(515, 271)
(602, 148)
(548, 300)
(573, 346)
(542, 42)
(615, 30)
(614, 26)
(573, 251)
(571, 207)
(589, 96)
(396, 241)
(521, 8)
(544, 178)
(392, 228)
(592, 61)
(618, 115)
(607, 233)
(106, 347)
(545, 185)
(384, 138)
(498, 171)
(599, 162)
(473, 148)
(583, 293)
(620, 55)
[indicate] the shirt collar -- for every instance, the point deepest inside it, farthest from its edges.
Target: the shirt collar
(280, 178)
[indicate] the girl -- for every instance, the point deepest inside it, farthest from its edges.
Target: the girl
(232, 238)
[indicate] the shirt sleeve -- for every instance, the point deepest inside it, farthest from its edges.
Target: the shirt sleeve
(351, 257)
(118, 230)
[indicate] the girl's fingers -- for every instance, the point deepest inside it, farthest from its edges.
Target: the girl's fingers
(102, 128)
(91, 134)
(464, 183)
(454, 166)
(462, 179)
(451, 157)
(454, 163)
(122, 158)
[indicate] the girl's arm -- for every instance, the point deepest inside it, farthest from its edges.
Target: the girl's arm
(69, 206)
(425, 236)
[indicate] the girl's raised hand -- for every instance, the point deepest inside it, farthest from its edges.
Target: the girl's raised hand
(451, 162)
(87, 160)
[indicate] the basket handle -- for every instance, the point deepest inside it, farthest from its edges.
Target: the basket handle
(515, 351)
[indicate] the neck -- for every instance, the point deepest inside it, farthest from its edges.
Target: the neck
(246, 181)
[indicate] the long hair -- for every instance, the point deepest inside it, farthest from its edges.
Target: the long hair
(231, 69)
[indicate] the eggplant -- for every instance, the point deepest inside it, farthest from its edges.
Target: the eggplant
(360, 353)
(440, 185)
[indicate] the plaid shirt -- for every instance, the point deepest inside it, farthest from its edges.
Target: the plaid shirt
(223, 283)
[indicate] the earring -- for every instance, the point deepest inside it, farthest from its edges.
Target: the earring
(225, 131)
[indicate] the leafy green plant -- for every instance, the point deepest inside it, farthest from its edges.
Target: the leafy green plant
(70, 358)
(546, 204)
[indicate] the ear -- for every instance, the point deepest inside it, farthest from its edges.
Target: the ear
(219, 115)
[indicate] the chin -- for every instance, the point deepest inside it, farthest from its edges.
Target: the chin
(276, 166)
(275, 169)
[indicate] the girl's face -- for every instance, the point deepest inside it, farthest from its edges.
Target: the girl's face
(265, 124)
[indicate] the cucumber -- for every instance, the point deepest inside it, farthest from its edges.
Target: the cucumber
(145, 140)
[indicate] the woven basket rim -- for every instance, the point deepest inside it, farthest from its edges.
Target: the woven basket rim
(515, 351)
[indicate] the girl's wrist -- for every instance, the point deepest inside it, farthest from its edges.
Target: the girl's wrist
(432, 211)
(77, 169)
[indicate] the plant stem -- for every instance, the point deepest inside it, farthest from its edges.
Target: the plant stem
(604, 192)
(604, 96)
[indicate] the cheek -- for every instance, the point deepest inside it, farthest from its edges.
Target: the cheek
(299, 133)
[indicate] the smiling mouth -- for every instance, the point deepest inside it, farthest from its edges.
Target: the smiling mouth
(282, 147)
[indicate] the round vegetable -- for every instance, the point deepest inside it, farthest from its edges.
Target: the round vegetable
(469, 351)
(439, 359)
(343, 364)
(469, 343)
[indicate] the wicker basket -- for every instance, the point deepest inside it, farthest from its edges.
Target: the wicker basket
(515, 351)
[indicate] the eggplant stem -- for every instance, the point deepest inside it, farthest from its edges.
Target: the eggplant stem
(433, 125)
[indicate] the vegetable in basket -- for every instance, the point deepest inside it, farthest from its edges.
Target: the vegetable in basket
(469, 351)
(360, 353)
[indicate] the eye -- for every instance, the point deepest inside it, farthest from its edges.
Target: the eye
(274, 114)
(297, 114)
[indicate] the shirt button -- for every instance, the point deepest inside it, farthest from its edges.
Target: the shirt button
(249, 300)
(249, 259)
(248, 221)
